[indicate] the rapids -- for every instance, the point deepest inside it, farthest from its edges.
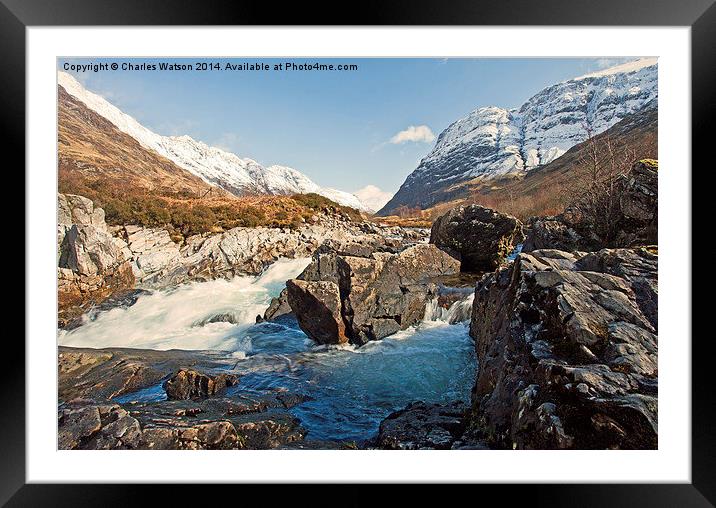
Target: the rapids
(350, 390)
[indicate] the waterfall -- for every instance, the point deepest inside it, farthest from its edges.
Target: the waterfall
(457, 312)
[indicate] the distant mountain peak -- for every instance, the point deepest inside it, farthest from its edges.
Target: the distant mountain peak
(213, 165)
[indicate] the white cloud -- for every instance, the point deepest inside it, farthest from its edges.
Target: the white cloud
(373, 197)
(605, 63)
(421, 133)
(228, 141)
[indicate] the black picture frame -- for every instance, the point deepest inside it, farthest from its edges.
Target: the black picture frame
(700, 15)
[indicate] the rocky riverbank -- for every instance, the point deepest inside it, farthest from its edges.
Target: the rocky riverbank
(96, 261)
(565, 336)
(195, 414)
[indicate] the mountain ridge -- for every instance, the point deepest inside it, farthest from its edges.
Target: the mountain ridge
(492, 141)
(217, 167)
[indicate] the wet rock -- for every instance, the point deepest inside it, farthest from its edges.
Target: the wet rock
(482, 237)
(219, 435)
(371, 295)
(317, 306)
(423, 426)
(190, 384)
(305, 444)
(205, 424)
(77, 426)
(568, 358)
(260, 432)
(278, 307)
(102, 374)
(221, 317)
(122, 298)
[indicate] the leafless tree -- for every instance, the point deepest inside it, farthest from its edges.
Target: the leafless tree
(599, 185)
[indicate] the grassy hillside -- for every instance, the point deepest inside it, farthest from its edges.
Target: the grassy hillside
(135, 185)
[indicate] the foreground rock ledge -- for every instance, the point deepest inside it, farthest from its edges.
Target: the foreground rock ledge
(567, 351)
(90, 418)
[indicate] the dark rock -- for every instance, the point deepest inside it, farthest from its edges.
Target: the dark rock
(639, 267)
(317, 306)
(567, 357)
(77, 426)
(121, 299)
(220, 435)
(423, 426)
(305, 444)
(260, 432)
(639, 204)
(206, 424)
(190, 384)
(553, 233)
(482, 237)
(278, 307)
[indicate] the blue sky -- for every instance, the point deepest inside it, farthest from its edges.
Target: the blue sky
(341, 128)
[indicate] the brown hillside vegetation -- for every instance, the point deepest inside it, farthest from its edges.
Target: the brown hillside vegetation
(548, 190)
(135, 185)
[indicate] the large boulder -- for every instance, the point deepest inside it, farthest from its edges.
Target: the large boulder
(365, 295)
(89, 250)
(317, 306)
(482, 237)
(91, 264)
(567, 351)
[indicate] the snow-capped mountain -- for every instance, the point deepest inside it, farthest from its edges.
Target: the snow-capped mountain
(493, 141)
(213, 165)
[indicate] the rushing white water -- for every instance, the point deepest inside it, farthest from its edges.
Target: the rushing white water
(457, 312)
(349, 390)
(180, 318)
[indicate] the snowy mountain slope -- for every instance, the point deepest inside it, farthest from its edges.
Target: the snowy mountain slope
(494, 141)
(213, 165)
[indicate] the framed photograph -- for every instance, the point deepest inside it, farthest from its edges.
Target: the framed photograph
(435, 246)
